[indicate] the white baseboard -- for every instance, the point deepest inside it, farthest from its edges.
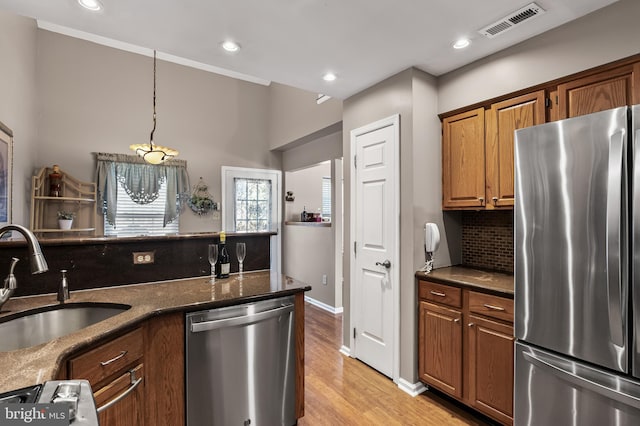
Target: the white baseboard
(344, 350)
(323, 306)
(413, 389)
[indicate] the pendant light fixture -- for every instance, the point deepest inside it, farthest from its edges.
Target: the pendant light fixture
(150, 152)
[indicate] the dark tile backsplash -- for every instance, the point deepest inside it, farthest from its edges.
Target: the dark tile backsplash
(104, 264)
(487, 240)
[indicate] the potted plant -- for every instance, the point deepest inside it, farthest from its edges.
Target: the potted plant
(65, 219)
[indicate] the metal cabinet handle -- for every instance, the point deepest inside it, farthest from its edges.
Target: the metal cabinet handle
(437, 293)
(114, 359)
(495, 200)
(481, 199)
(471, 324)
(134, 384)
(457, 320)
(494, 308)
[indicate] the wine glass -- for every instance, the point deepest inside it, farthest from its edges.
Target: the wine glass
(213, 258)
(241, 252)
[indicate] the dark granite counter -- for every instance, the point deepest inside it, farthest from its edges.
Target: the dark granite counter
(26, 367)
(493, 282)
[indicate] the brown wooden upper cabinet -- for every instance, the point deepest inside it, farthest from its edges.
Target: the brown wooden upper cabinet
(477, 152)
(503, 119)
(477, 144)
(463, 160)
(599, 92)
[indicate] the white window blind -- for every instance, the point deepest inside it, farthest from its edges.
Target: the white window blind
(326, 198)
(134, 219)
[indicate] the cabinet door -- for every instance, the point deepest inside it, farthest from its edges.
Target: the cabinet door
(599, 92)
(129, 407)
(502, 120)
(463, 160)
(164, 355)
(440, 344)
(490, 349)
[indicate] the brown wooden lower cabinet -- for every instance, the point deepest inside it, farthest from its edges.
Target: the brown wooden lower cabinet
(466, 350)
(491, 368)
(139, 373)
(441, 361)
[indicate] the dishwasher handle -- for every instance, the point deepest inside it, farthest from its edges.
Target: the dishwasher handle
(240, 320)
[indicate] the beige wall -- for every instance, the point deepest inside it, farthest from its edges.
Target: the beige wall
(603, 36)
(96, 98)
(313, 152)
(294, 114)
(18, 43)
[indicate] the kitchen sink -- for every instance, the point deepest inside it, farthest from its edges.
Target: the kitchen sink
(37, 326)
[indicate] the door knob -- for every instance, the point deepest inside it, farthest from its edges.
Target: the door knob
(386, 264)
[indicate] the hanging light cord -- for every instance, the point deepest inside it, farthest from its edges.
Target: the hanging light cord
(154, 101)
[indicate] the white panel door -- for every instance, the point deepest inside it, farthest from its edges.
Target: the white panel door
(376, 233)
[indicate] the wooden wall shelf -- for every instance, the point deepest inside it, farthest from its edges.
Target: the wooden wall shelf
(76, 196)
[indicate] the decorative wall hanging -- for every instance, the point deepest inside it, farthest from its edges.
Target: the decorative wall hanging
(201, 202)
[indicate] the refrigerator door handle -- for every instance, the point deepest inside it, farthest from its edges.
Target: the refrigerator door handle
(547, 364)
(614, 235)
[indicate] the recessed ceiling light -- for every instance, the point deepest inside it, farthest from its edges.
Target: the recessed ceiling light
(94, 5)
(230, 46)
(461, 44)
(329, 76)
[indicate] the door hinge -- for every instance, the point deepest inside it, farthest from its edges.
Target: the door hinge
(354, 332)
(355, 161)
(355, 247)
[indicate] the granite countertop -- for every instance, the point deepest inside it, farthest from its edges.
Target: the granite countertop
(34, 365)
(494, 282)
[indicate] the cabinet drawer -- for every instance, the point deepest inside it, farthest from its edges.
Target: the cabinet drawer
(492, 306)
(107, 359)
(125, 394)
(441, 293)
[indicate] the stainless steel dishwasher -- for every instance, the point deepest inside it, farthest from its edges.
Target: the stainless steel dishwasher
(241, 365)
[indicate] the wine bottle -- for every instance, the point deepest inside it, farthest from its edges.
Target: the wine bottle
(223, 263)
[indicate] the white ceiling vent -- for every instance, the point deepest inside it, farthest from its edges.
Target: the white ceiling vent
(519, 16)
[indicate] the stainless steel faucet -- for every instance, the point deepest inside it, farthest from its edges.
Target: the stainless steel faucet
(37, 261)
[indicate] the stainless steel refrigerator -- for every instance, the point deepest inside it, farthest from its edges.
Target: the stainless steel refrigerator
(577, 271)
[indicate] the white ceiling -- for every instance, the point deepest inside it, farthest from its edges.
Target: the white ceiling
(295, 42)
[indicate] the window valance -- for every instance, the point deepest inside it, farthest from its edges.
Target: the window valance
(141, 181)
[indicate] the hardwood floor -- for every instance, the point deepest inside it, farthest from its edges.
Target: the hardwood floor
(344, 391)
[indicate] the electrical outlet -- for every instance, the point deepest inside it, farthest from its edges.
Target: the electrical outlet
(324, 279)
(143, 258)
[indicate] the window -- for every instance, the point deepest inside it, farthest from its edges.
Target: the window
(326, 199)
(252, 212)
(134, 219)
(251, 200)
